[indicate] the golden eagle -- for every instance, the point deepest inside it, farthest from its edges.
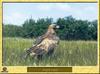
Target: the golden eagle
(46, 43)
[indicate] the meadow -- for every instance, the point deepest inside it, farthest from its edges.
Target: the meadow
(67, 53)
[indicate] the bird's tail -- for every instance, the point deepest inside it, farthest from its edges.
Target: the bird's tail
(23, 56)
(27, 52)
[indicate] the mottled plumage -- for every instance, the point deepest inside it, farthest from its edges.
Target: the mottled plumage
(46, 43)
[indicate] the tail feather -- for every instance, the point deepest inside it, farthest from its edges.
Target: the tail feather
(27, 52)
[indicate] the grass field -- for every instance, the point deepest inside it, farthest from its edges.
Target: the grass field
(68, 53)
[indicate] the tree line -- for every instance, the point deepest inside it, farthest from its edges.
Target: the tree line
(74, 29)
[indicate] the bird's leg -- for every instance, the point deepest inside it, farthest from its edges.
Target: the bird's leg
(39, 57)
(50, 52)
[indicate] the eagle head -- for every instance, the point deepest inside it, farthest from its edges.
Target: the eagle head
(54, 26)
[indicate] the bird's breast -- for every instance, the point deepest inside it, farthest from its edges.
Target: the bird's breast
(46, 43)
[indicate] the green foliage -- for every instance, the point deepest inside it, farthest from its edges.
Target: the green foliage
(12, 31)
(68, 53)
(34, 29)
(77, 29)
(73, 29)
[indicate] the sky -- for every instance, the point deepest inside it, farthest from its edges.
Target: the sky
(17, 13)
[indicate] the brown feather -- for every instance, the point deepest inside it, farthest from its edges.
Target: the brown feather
(45, 43)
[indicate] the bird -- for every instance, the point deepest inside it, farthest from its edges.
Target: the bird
(45, 44)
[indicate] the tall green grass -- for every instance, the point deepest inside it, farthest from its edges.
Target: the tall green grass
(68, 53)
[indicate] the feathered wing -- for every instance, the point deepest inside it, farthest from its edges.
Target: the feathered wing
(39, 40)
(43, 44)
(34, 47)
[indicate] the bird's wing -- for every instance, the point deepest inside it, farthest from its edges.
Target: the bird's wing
(39, 40)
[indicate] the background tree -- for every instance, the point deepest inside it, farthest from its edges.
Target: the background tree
(73, 29)
(12, 31)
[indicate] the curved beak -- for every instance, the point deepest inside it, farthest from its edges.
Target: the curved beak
(57, 26)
